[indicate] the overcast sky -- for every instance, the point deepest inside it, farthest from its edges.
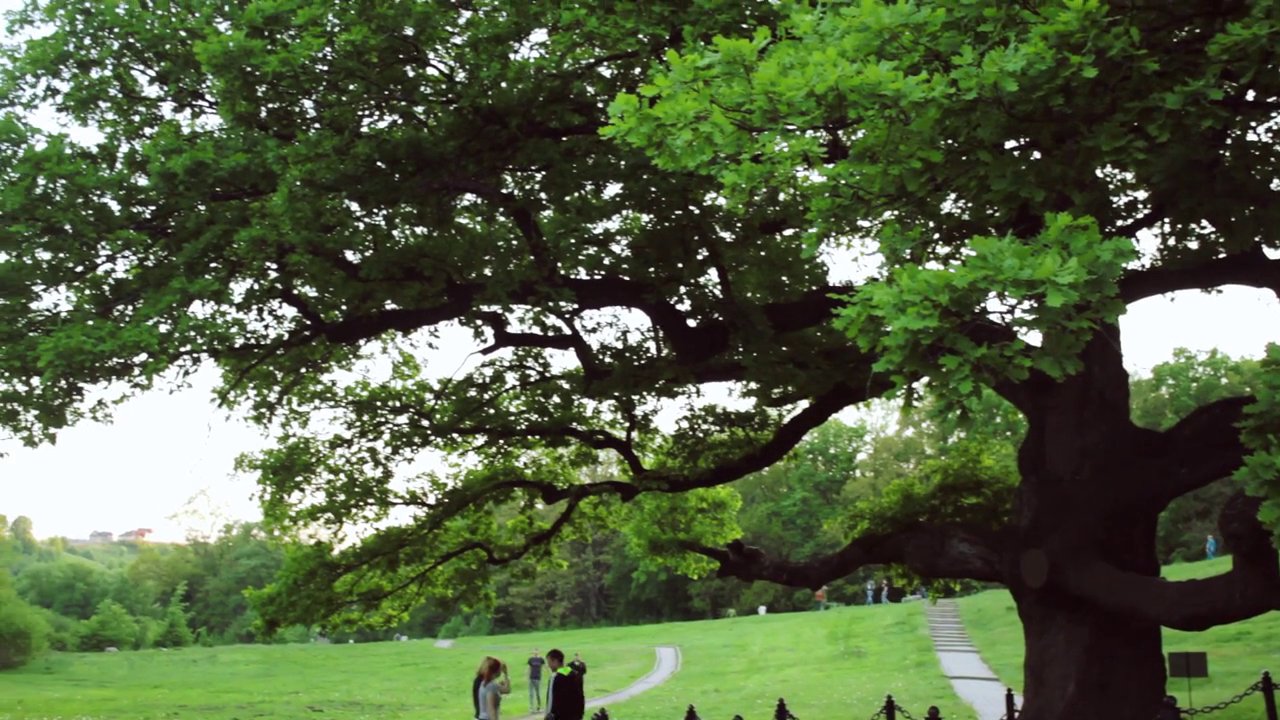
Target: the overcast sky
(166, 461)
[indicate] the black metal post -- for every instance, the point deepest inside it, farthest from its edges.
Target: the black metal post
(890, 708)
(781, 712)
(1269, 695)
(601, 714)
(1010, 707)
(933, 713)
(691, 714)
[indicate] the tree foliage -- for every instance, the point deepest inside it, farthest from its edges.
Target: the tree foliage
(23, 632)
(680, 237)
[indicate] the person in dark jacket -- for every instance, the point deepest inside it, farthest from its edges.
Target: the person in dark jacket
(565, 698)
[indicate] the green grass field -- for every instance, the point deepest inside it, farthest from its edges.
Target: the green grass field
(834, 664)
(839, 663)
(1238, 653)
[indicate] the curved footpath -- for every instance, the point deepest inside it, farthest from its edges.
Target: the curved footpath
(969, 675)
(666, 665)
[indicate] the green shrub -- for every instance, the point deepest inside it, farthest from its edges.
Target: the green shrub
(479, 626)
(149, 631)
(174, 630)
(110, 626)
(64, 632)
(292, 635)
(456, 627)
(23, 631)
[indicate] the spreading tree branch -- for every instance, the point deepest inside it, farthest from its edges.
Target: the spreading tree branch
(1203, 447)
(1252, 268)
(931, 551)
(1249, 589)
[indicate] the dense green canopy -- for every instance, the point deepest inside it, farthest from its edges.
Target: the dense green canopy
(631, 207)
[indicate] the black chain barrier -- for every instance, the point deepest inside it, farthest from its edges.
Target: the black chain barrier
(1205, 710)
(891, 710)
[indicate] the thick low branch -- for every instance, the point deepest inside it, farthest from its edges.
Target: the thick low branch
(505, 338)
(1251, 268)
(1203, 447)
(1251, 588)
(931, 551)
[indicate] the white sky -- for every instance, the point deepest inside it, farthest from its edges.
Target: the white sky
(168, 452)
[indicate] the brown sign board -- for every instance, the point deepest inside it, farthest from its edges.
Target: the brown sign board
(1188, 664)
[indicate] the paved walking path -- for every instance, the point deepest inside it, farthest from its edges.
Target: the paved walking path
(444, 643)
(969, 675)
(666, 665)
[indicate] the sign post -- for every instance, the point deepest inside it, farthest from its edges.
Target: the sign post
(1188, 665)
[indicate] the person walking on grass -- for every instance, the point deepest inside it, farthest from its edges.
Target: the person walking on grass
(494, 684)
(535, 681)
(1211, 547)
(565, 698)
(476, 683)
(871, 592)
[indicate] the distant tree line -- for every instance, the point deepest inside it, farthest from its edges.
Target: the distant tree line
(130, 595)
(889, 466)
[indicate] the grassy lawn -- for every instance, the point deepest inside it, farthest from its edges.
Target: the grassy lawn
(834, 664)
(837, 664)
(1238, 653)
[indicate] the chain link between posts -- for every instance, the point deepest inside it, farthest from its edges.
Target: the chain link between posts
(1191, 712)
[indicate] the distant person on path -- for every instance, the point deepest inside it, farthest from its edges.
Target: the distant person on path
(565, 698)
(535, 681)
(820, 598)
(494, 684)
(884, 592)
(871, 592)
(1211, 547)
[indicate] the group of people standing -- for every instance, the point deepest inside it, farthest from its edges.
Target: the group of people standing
(566, 699)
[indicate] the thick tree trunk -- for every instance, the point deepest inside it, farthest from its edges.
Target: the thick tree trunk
(1082, 663)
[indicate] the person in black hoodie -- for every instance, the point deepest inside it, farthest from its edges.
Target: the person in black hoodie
(565, 699)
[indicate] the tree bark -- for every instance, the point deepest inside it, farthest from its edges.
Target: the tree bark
(1082, 663)
(1077, 462)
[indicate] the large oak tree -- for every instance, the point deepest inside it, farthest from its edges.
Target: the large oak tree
(630, 207)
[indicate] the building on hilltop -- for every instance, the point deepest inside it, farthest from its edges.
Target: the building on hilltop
(101, 536)
(138, 534)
